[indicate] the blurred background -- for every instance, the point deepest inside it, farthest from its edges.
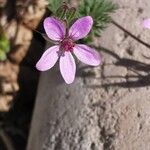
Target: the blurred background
(20, 48)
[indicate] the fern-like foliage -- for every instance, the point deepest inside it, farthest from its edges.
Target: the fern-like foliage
(4, 45)
(53, 5)
(100, 11)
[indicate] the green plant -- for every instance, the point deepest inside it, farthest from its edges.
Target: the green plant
(53, 5)
(61, 10)
(100, 11)
(4, 45)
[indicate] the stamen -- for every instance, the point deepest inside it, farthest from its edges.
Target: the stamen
(67, 45)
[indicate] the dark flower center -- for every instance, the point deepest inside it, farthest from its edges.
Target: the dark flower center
(67, 45)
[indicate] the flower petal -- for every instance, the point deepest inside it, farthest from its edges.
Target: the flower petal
(87, 55)
(81, 28)
(67, 67)
(54, 29)
(146, 23)
(48, 59)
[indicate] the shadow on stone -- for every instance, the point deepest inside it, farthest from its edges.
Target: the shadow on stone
(132, 65)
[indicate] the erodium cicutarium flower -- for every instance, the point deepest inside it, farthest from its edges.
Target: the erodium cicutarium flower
(66, 46)
(146, 23)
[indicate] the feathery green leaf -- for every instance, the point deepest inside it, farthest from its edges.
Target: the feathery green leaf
(100, 11)
(4, 45)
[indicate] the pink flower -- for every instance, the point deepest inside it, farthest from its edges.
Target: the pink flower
(66, 46)
(146, 23)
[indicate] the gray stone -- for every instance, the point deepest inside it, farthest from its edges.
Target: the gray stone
(97, 112)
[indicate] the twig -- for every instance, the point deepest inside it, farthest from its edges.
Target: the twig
(130, 34)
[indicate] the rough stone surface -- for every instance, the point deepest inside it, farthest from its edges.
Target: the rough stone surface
(106, 108)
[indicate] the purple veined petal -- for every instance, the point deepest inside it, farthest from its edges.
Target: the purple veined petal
(81, 28)
(48, 59)
(54, 29)
(87, 55)
(146, 23)
(67, 67)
